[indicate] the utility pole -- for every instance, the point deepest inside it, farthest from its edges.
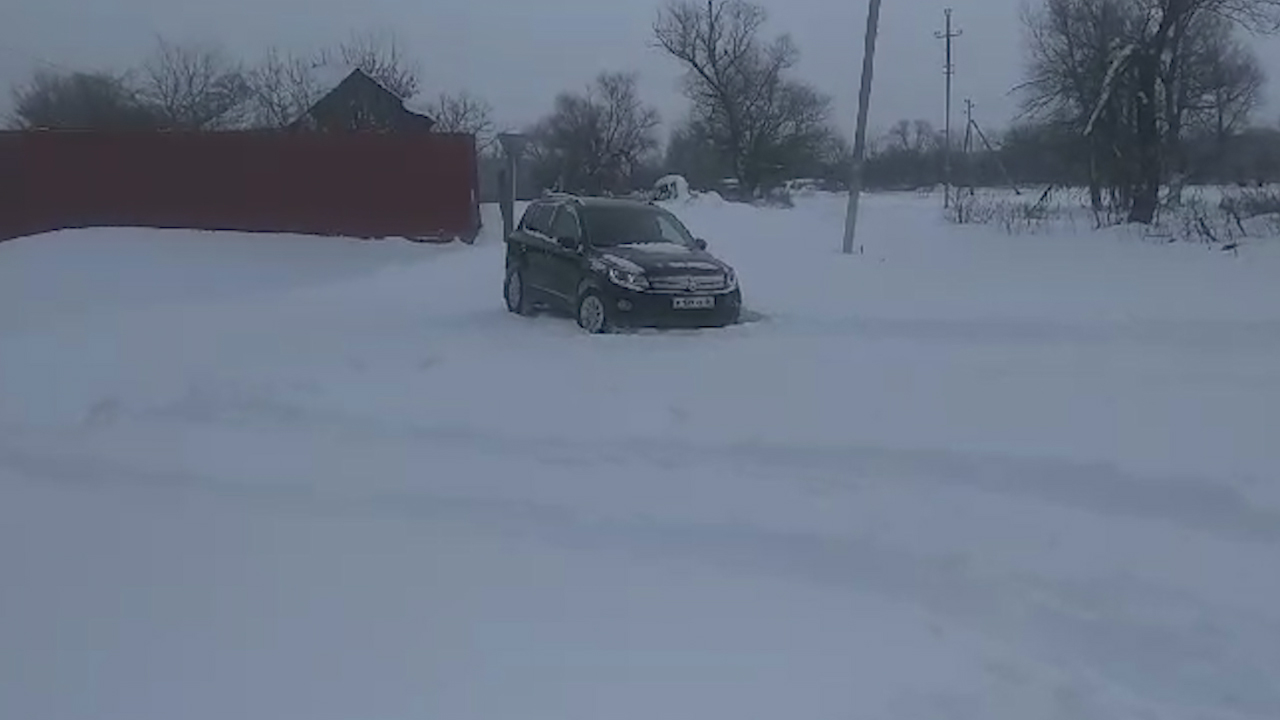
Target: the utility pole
(968, 122)
(860, 132)
(950, 70)
(967, 150)
(975, 127)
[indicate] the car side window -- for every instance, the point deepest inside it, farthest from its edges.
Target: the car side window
(537, 219)
(565, 224)
(544, 219)
(526, 220)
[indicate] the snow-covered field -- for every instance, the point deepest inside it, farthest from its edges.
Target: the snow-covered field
(961, 476)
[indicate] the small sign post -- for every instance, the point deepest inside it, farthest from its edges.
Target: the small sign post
(513, 146)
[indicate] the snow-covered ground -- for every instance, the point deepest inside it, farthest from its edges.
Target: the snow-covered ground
(961, 475)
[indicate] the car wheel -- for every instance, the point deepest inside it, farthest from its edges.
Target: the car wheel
(513, 289)
(735, 318)
(592, 313)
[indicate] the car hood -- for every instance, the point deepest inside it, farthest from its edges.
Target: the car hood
(662, 258)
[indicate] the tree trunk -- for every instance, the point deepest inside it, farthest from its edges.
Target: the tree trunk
(1176, 159)
(1146, 189)
(1095, 182)
(1172, 80)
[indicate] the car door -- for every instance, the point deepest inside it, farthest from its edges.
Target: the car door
(564, 267)
(534, 238)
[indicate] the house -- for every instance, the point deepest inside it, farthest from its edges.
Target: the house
(357, 102)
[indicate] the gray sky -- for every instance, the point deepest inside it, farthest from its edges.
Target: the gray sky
(518, 53)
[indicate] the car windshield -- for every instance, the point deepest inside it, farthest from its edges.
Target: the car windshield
(640, 225)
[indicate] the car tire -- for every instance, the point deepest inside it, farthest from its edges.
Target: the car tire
(515, 292)
(593, 313)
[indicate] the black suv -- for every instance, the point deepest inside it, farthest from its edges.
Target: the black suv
(616, 263)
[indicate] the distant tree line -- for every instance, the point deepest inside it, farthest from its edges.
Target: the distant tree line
(910, 156)
(749, 120)
(1122, 96)
(1132, 98)
(201, 87)
(1127, 97)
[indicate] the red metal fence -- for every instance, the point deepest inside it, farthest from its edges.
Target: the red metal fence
(358, 185)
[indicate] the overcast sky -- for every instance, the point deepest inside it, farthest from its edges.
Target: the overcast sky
(519, 53)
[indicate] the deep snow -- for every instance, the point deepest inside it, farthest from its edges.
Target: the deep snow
(960, 475)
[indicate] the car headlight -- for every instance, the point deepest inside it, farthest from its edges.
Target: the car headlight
(628, 280)
(730, 279)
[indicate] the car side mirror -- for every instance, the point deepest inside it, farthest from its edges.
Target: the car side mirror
(700, 243)
(567, 242)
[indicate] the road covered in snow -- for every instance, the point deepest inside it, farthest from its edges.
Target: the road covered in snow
(960, 475)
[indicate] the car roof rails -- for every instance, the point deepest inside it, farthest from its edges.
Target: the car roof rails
(557, 195)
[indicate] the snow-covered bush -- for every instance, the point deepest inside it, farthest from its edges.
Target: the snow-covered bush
(1016, 214)
(1222, 218)
(671, 187)
(1251, 203)
(1237, 214)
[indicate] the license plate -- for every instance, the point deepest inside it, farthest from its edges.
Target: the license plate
(693, 303)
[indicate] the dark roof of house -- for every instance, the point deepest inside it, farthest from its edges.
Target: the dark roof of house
(353, 78)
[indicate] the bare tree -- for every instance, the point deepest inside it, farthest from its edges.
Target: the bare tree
(912, 137)
(381, 57)
(628, 125)
(1119, 71)
(1238, 83)
(595, 141)
(757, 118)
(195, 87)
(281, 88)
(910, 156)
(1155, 64)
(1071, 45)
(837, 158)
(691, 152)
(464, 113)
(81, 101)
(927, 137)
(1222, 80)
(899, 136)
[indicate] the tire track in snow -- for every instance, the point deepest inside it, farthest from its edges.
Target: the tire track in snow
(1223, 337)
(1200, 503)
(1213, 505)
(1164, 664)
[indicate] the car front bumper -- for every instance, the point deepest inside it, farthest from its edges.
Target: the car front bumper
(639, 309)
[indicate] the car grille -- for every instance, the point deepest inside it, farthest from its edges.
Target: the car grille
(688, 283)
